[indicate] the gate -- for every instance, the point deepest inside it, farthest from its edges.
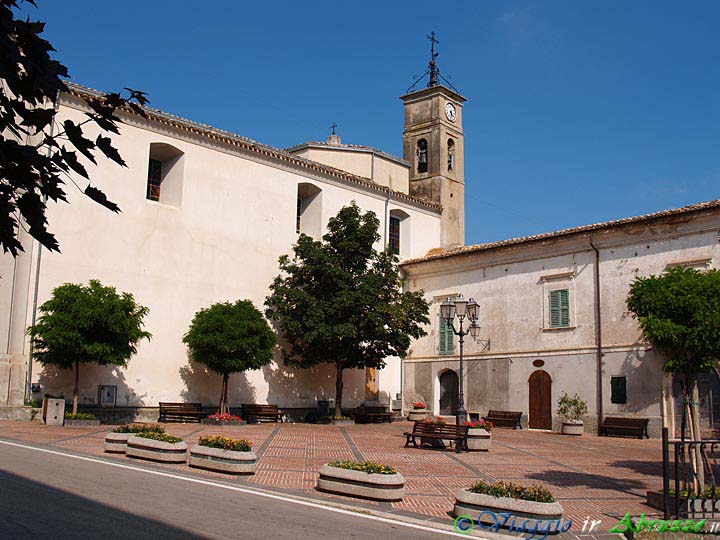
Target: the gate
(691, 479)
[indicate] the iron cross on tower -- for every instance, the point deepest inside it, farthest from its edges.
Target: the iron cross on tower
(434, 72)
(334, 125)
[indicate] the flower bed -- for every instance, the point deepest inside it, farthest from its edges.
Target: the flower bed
(224, 454)
(364, 479)
(116, 440)
(486, 503)
(572, 410)
(479, 436)
(418, 413)
(81, 419)
(342, 421)
(157, 447)
(225, 419)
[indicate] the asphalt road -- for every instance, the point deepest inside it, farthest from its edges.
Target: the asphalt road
(54, 497)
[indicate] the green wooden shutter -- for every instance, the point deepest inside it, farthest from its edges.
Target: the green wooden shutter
(564, 307)
(559, 308)
(447, 338)
(618, 389)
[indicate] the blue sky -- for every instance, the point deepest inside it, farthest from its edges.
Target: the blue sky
(577, 112)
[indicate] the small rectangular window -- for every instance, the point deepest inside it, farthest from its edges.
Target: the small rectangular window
(154, 179)
(618, 390)
(447, 337)
(560, 308)
(394, 236)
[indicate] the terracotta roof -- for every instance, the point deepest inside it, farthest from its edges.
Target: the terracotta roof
(264, 150)
(466, 250)
(343, 146)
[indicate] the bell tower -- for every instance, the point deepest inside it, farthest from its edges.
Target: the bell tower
(434, 144)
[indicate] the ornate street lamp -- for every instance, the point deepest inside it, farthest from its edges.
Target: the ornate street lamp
(465, 311)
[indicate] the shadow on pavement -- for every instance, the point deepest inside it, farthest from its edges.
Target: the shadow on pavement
(29, 509)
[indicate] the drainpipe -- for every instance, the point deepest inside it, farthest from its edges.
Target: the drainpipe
(385, 230)
(28, 380)
(598, 334)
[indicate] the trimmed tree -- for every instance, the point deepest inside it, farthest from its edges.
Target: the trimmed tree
(679, 314)
(339, 301)
(229, 338)
(87, 325)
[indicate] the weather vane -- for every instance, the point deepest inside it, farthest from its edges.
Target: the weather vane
(432, 69)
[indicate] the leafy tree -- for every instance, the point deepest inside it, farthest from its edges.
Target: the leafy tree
(87, 324)
(679, 313)
(37, 153)
(340, 301)
(228, 338)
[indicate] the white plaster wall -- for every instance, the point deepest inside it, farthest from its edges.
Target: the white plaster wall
(237, 217)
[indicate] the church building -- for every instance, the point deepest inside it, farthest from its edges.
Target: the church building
(207, 213)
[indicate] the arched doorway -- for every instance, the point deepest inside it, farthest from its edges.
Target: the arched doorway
(540, 413)
(448, 392)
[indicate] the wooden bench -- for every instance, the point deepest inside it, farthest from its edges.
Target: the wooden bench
(509, 419)
(442, 432)
(372, 414)
(625, 427)
(181, 412)
(260, 413)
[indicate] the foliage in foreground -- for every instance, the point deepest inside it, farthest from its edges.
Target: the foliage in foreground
(368, 467)
(226, 443)
(37, 153)
(534, 493)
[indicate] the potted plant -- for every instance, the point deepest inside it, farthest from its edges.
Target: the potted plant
(363, 479)
(116, 440)
(418, 412)
(81, 420)
(157, 447)
(223, 454)
(224, 419)
(509, 505)
(572, 410)
(479, 436)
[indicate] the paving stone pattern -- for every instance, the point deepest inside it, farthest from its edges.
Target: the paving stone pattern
(599, 477)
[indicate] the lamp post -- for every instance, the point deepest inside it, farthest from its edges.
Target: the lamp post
(465, 311)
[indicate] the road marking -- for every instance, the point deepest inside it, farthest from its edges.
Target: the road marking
(243, 490)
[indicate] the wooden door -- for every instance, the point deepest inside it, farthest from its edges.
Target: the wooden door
(540, 414)
(448, 393)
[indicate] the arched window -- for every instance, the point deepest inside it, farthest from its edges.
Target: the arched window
(165, 174)
(422, 156)
(451, 155)
(308, 219)
(399, 232)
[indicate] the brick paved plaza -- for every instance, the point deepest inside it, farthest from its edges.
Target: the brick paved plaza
(590, 476)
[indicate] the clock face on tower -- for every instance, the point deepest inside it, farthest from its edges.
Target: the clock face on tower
(450, 112)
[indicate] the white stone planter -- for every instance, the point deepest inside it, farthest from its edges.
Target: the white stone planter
(117, 442)
(573, 427)
(342, 422)
(416, 415)
(153, 450)
(220, 460)
(487, 509)
(479, 439)
(378, 487)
